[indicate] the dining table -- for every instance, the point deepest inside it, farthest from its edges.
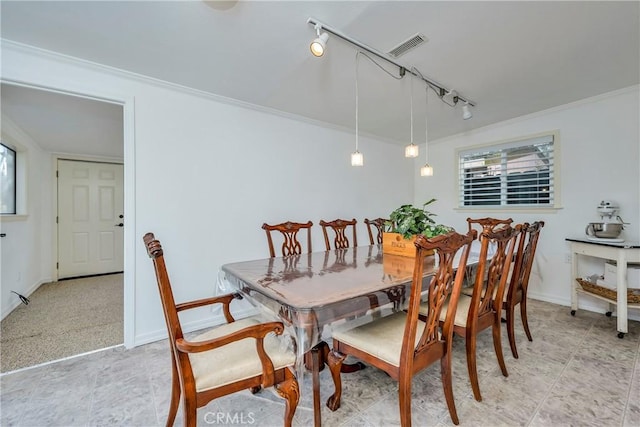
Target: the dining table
(312, 293)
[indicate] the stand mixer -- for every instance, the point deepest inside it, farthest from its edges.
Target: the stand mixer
(611, 226)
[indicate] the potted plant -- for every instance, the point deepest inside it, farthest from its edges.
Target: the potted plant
(405, 223)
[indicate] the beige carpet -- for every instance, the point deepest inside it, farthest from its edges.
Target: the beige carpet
(63, 319)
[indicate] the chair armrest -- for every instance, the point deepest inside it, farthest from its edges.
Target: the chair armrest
(256, 331)
(221, 299)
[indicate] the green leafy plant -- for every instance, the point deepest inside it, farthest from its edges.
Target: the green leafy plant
(409, 221)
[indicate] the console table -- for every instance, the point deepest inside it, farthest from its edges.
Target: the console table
(620, 252)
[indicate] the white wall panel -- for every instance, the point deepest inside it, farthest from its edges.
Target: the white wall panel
(599, 159)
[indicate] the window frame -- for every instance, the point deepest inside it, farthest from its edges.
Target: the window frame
(515, 142)
(15, 180)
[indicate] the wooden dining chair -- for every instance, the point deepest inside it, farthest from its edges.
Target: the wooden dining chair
(378, 225)
(401, 344)
(290, 243)
(339, 226)
(519, 282)
(238, 355)
(478, 312)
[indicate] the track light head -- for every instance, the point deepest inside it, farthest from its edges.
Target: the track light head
(466, 112)
(319, 44)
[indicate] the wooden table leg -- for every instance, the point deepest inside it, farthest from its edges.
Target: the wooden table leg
(323, 350)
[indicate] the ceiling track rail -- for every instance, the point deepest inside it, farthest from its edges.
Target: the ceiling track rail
(440, 89)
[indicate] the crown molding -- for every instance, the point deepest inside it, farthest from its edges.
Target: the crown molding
(10, 45)
(558, 108)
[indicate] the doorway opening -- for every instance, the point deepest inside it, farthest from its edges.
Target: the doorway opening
(53, 118)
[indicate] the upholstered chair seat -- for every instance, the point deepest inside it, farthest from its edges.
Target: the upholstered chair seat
(381, 339)
(239, 358)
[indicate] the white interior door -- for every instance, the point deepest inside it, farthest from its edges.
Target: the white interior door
(90, 218)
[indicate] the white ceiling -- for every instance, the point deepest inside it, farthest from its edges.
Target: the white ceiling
(511, 58)
(66, 124)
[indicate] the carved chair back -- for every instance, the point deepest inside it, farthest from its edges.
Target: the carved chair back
(339, 226)
(289, 230)
(486, 292)
(445, 285)
(488, 224)
(532, 233)
(378, 225)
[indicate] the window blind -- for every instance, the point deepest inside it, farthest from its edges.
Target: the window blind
(516, 173)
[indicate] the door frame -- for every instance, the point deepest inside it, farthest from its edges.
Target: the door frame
(127, 102)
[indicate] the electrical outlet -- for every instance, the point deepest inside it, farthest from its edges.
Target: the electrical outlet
(567, 258)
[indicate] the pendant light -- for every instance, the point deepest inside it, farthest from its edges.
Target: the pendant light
(412, 149)
(426, 170)
(356, 156)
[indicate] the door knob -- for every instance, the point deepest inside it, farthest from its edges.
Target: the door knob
(120, 225)
(120, 216)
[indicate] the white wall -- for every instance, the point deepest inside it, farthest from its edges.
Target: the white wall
(208, 173)
(600, 158)
(25, 250)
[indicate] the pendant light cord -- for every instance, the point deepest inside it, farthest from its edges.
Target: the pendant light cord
(426, 117)
(357, 54)
(380, 66)
(426, 125)
(411, 90)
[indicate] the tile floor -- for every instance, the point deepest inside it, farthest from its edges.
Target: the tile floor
(576, 372)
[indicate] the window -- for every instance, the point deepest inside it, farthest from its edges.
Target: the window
(7, 180)
(514, 174)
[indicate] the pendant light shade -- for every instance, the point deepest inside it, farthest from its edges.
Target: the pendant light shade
(411, 150)
(357, 159)
(426, 170)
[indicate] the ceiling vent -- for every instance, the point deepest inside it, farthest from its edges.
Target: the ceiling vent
(407, 45)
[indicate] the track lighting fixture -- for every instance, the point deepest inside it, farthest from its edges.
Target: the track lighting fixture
(435, 86)
(466, 112)
(448, 96)
(319, 44)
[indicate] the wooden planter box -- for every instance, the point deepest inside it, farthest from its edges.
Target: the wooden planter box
(395, 244)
